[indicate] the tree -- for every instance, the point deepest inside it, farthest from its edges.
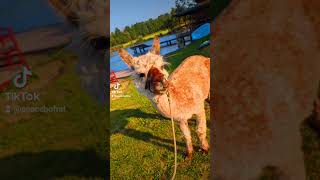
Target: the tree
(117, 32)
(140, 29)
(182, 5)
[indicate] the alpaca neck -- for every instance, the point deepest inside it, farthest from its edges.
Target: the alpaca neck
(161, 103)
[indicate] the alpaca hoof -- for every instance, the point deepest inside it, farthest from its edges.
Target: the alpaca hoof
(188, 156)
(204, 151)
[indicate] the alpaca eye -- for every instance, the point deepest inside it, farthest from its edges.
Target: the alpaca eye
(142, 75)
(164, 66)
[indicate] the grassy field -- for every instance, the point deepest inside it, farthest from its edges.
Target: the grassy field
(141, 139)
(69, 145)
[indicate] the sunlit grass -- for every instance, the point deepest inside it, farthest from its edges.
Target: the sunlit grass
(141, 139)
(69, 145)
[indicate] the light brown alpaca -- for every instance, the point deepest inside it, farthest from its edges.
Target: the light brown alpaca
(188, 87)
(267, 74)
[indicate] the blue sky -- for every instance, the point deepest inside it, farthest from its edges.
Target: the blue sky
(23, 15)
(128, 12)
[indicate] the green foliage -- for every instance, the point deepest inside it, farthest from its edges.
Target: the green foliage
(218, 6)
(133, 32)
(182, 5)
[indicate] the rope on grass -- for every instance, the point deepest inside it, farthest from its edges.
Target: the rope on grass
(174, 139)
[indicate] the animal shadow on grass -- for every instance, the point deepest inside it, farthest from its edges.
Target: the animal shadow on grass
(53, 164)
(118, 125)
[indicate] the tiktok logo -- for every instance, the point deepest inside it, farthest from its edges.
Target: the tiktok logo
(116, 86)
(20, 80)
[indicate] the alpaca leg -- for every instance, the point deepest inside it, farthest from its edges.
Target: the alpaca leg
(202, 131)
(187, 135)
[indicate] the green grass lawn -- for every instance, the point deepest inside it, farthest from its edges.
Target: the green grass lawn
(175, 58)
(141, 139)
(69, 145)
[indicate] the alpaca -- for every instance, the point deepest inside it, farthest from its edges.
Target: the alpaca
(267, 74)
(90, 41)
(188, 87)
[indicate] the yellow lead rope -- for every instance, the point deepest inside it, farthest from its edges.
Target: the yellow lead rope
(174, 140)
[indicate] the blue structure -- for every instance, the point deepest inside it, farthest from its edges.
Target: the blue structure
(200, 32)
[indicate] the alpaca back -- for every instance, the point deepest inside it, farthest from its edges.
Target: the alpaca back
(268, 72)
(192, 77)
(189, 87)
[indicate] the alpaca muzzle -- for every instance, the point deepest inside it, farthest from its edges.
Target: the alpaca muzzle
(156, 83)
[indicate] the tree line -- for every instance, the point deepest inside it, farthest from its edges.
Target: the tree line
(140, 29)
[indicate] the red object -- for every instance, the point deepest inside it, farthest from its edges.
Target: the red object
(113, 77)
(10, 53)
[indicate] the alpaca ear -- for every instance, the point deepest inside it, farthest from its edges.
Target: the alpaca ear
(126, 57)
(62, 7)
(156, 46)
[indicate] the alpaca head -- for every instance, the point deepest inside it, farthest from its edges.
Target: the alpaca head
(90, 18)
(149, 72)
(90, 41)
